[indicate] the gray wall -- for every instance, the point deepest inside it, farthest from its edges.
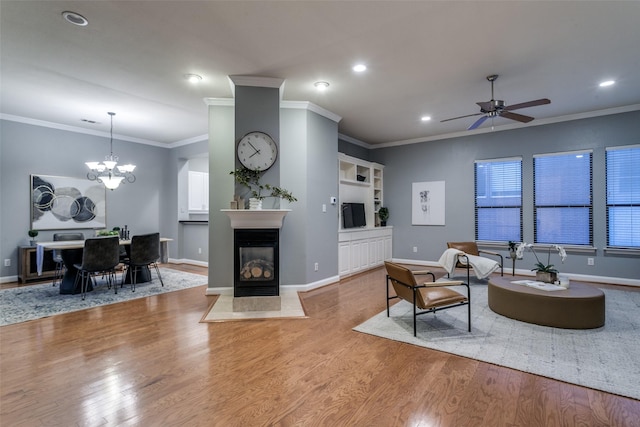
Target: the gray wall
(309, 169)
(27, 149)
(452, 160)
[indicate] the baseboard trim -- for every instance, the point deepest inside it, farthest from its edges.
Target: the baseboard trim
(8, 279)
(188, 261)
(581, 277)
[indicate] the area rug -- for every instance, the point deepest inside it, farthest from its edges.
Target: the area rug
(605, 358)
(38, 301)
(222, 309)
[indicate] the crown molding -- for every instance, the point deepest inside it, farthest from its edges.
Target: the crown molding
(74, 129)
(305, 105)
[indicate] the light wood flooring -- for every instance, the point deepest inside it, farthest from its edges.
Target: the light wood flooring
(149, 362)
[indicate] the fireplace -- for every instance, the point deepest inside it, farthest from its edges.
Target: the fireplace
(256, 262)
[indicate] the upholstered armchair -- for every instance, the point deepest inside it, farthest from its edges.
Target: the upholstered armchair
(471, 248)
(427, 297)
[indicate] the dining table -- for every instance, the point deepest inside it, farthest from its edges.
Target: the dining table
(71, 254)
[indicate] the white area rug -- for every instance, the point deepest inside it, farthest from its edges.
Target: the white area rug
(38, 301)
(605, 359)
(222, 309)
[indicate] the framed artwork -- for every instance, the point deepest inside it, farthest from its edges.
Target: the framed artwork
(59, 203)
(427, 203)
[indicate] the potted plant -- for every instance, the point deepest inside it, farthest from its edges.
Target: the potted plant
(544, 272)
(33, 234)
(383, 214)
(251, 179)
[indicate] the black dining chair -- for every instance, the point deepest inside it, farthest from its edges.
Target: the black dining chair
(101, 255)
(144, 252)
(57, 253)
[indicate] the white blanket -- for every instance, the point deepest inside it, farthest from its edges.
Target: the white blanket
(482, 266)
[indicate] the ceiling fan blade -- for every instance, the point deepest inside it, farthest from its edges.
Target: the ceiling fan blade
(461, 117)
(478, 123)
(515, 116)
(542, 101)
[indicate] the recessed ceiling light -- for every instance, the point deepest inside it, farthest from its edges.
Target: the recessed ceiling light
(75, 18)
(359, 68)
(425, 118)
(607, 83)
(193, 78)
(321, 86)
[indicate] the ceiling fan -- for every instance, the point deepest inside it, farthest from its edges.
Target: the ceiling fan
(496, 108)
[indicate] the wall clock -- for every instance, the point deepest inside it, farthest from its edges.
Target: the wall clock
(257, 151)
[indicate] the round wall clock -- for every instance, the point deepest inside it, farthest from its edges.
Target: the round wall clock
(257, 151)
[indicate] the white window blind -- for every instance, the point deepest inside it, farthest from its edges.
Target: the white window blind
(623, 197)
(498, 199)
(562, 192)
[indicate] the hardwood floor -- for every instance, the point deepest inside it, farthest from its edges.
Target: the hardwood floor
(149, 362)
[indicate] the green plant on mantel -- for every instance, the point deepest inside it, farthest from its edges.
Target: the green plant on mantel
(251, 179)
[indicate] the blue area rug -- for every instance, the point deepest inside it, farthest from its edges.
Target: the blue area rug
(38, 301)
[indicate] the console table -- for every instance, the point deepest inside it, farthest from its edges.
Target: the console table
(581, 306)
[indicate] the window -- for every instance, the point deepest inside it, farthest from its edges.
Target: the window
(623, 197)
(563, 213)
(498, 199)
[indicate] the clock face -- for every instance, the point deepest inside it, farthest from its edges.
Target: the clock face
(257, 151)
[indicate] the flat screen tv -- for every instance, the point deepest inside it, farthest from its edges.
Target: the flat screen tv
(353, 215)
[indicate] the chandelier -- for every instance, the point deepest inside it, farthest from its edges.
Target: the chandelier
(108, 172)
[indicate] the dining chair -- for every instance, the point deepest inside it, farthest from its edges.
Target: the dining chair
(101, 255)
(57, 253)
(144, 252)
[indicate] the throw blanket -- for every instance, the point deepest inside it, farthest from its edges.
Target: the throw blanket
(482, 266)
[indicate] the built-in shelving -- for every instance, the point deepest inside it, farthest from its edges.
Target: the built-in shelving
(363, 248)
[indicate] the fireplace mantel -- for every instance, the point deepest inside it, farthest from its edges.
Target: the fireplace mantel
(261, 218)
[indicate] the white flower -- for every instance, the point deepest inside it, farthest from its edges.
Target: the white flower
(561, 251)
(521, 248)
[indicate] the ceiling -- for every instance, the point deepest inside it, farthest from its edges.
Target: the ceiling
(424, 58)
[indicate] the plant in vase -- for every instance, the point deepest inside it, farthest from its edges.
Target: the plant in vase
(383, 214)
(33, 234)
(250, 179)
(544, 272)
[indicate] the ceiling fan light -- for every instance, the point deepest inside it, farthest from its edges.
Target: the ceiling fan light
(607, 83)
(425, 118)
(359, 68)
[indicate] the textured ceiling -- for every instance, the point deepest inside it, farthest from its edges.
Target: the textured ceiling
(424, 58)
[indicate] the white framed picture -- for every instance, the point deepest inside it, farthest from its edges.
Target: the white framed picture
(427, 203)
(59, 202)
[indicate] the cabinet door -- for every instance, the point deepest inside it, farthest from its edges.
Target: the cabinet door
(198, 191)
(355, 256)
(388, 248)
(344, 256)
(380, 252)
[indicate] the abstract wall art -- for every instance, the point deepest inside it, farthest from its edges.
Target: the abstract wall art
(427, 203)
(66, 203)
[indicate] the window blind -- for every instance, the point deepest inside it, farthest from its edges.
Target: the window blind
(623, 197)
(498, 199)
(562, 192)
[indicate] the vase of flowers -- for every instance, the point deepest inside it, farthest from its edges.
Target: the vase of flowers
(544, 272)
